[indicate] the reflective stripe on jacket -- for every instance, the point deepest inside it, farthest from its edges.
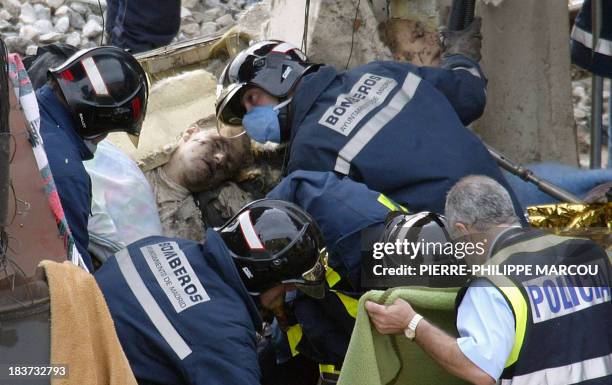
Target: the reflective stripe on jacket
(598, 58)
(182, 314)
(397, 128)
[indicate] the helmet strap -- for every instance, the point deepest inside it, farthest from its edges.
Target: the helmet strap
(284, 119)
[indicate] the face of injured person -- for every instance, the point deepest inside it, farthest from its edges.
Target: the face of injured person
(207, 159)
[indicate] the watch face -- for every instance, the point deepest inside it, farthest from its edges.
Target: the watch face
(409, 333)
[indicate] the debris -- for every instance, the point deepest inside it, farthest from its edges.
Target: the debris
(92, 29)
(225, 20)
(51, 37)
(62, 24)
(27, 15)
(208, 28)
(55, 3)
(83, 17)
(73, 38)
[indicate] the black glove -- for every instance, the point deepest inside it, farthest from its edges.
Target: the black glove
(466, 42)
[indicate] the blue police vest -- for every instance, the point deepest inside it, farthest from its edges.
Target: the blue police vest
(397, 128)
(563, 328)
(182, 313)
(596, 59)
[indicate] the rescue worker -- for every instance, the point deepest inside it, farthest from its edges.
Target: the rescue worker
(598, 59)
(516, 328)
(397, 128)
(187, 313)
(94, 92)
(142, 25)
(351, 217)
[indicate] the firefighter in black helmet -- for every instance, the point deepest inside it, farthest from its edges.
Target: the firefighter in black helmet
(363, 122)
(186, 313)
(96, 91)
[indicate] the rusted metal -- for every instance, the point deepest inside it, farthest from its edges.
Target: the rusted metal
(25, 331)
(34, 235)
(4, 136)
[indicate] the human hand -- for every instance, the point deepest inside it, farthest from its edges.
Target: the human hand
(466, 42)
(392, 319)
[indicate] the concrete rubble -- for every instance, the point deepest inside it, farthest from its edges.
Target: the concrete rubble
(29, 23)
(25, 24)
(581, 97)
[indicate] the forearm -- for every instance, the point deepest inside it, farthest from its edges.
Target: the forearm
(445, 351)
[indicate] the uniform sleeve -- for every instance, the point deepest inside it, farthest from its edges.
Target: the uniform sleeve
(462, 82)
(75, 198)
(486, 326)
(340, 206)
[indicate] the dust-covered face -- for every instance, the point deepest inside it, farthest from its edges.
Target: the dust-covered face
(207, 159)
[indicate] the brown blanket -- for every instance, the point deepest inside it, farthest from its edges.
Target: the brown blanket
(82, 330)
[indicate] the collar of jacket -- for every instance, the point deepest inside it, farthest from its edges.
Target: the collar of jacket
(511, 235)
(307, 92)
(215, 246)
(48, 101)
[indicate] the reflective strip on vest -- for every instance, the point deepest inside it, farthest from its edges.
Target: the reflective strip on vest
(388, 203)
(515, 298)
(369, 130)
(331, 369)
(519, 306)
(585, 38)
(575, 373)
(294, 336)
(350, 303)
(150, 306)
(332, 277)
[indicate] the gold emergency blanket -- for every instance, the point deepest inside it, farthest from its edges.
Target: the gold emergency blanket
(592, 220)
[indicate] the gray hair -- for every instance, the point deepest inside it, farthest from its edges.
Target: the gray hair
(480, 202)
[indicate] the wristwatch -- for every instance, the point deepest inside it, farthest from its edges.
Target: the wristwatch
(410, 331)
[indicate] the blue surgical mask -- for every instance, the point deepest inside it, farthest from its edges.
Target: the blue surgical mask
(261, 123)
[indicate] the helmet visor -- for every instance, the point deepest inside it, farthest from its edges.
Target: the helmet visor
(229, 107)
(228, 131)
(313, 280)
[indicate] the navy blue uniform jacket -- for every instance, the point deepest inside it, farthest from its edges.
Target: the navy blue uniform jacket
(596, 59)
(182, 314)
(398, 128)
(342, 208)
(66, 152)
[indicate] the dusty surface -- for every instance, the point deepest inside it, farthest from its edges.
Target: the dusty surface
(24, 24)
(333, 28)
(412, 41)
(581, 96)
(526, 58)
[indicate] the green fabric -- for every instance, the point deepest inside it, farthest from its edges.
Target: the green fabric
(376, 359)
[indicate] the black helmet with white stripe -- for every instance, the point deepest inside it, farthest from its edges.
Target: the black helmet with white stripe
(430, 241)
(274, 242)
(105, 89)
(424, 227)
(271, 65)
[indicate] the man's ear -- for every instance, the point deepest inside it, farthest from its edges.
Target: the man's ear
(462, 229)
